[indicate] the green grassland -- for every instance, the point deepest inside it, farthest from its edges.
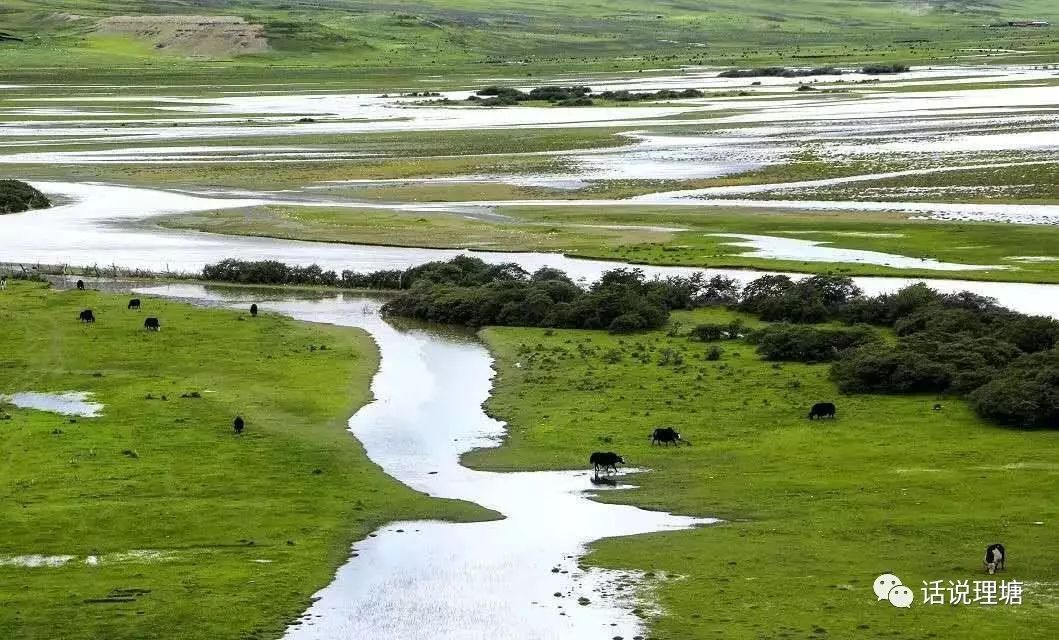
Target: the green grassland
(813, 511)
(246, 528)
(583, 232)
(403, 36)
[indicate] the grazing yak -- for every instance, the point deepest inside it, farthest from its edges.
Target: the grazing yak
(152, 324)
(253, 310)
(822, 410)
(665, 435)
(80, 285)
(134, 303)
(995, 555)
(87, 316)
(605, 460)
(238, 424)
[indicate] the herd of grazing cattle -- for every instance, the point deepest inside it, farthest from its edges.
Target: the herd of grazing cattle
(601, 461)
(608, 461)
(87, 316)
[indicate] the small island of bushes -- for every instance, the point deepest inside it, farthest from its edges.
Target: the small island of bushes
(17, 196)
(788, 72)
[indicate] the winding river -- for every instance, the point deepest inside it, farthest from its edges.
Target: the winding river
(512, 579)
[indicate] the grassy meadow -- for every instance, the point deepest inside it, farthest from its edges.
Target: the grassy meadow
(813, 511)
(403, 37)
(196, 532)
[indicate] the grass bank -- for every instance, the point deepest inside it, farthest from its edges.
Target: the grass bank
(814, 511)
(197, 532)
(676, 236)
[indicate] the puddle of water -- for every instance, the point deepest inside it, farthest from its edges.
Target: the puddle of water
(778, 248)
(849, 234)
(69, 403)
(1032, 258)
(34, 561)
(39, 561)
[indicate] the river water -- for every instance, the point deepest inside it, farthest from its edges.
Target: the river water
(511, 579)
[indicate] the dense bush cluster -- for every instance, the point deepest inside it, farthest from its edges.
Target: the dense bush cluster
(507, 96)
(267, 272)
(944, 343)
(713, 332)
(1025, 394)
(801, 343)
(462, 271)
(779, 72)
(577, 96)
(476, 294)
(879, 69)
(625, 95)
(17, 196)
(780, 299)
(786, 72)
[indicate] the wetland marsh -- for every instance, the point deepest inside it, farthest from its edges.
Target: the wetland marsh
(453, 497)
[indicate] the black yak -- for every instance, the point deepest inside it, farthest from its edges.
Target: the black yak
(665, 435)
(822, 410)
(605, 460)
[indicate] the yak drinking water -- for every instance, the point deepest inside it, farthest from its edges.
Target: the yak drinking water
(605, 460)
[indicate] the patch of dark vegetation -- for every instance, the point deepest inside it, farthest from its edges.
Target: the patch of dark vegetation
(17, 196)
(577, 96)
(714, 332)
(881, 69)
(119, 596)
(780, 72)
(801, 343)
(788, 72)
(1005, 363)
(640, 96)
(470, 292)
(506, 96)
